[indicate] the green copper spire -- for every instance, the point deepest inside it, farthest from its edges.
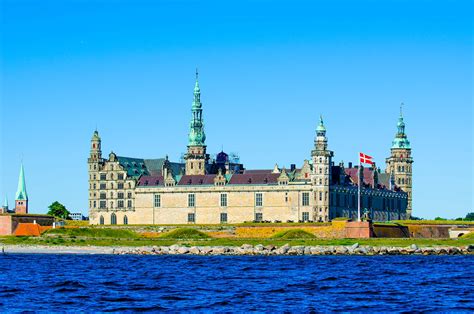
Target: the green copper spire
(401, 140)
(321, 129)
(21, 191)
(197, 136)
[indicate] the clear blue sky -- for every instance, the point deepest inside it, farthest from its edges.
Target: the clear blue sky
(267, 70)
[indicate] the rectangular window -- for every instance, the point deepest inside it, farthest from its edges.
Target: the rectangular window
(223, 218)
(129, 195)
(320, 196)
(120, 195)
(120, 203)
(103, 196)
(102, 186)
(258, 216)
(95, 204)
(103, 176)
(191, 217)
(305, 216)
(102, 204)
(120, 176)
(157, 200)
(223, 200)
(129, 203)
(191, 200)
(120, 186)
(305, 199)
(258, 199)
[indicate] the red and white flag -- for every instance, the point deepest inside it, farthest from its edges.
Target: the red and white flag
(365, 159)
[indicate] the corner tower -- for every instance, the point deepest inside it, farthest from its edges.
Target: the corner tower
(196, 157)
(94, 161)
(321, 174)
(21, 197)
(399, 164)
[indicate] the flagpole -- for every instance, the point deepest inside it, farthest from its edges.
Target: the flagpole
(358, 191)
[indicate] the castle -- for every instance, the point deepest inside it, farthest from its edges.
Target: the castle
(201, 190)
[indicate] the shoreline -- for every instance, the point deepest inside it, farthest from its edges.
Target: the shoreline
(246, 249)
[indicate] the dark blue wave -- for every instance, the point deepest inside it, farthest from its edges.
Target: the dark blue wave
(106, 283)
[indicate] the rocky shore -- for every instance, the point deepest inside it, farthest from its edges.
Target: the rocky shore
(245, 249)
(259, 249)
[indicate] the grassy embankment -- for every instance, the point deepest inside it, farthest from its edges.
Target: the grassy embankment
(191, 237)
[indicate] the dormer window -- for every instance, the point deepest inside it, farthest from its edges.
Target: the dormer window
(249, 180)
(157, 182)
(146, 182)
(265, 180)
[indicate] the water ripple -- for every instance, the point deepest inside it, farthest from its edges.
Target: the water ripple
(104, 283)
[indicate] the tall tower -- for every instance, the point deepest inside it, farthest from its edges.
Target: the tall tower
(94, 161)
(399, 164)
(196, 157)
(321, 175)
(21, 197)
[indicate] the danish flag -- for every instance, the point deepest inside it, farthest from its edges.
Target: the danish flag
(365, 159)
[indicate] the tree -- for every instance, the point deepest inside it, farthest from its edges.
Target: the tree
(440, 218)
(469, 217)
(58, 210)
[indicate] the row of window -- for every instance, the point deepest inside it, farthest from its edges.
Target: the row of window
(402, 169)
(350, 201)
(103, 186)
(403, 181)
(223, 199)
(120, 195)
(120, 204)
(103, 176)
(113, 219)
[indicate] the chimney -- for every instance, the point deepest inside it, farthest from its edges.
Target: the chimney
(293, 167)
(350, 164)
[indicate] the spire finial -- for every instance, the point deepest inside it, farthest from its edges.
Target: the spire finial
(197, 74)
(401, 109)
(321, 119)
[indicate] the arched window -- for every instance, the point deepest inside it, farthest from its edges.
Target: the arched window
(113, 219)
(101, 220)
(125, 220)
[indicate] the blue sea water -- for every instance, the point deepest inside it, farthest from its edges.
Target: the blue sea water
(101, 283)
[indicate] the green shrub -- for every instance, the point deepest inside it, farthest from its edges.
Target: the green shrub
(185, 233)
(293, 234)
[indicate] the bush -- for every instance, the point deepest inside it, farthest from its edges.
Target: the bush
(293, 234)
(185, 233)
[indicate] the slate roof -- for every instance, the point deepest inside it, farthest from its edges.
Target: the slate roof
(254, 178)
(151, 181)
(207, 179)
(137, 167)
(383, 178)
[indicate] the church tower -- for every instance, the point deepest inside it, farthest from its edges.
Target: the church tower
(21, 197)
(196, 157)
(94, 162)
(399, 164)
(321, 175)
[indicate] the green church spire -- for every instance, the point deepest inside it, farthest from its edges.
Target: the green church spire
(21, 191)
(197, 136)
(401, 140)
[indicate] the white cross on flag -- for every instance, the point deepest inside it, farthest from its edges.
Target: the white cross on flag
(365, 159)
